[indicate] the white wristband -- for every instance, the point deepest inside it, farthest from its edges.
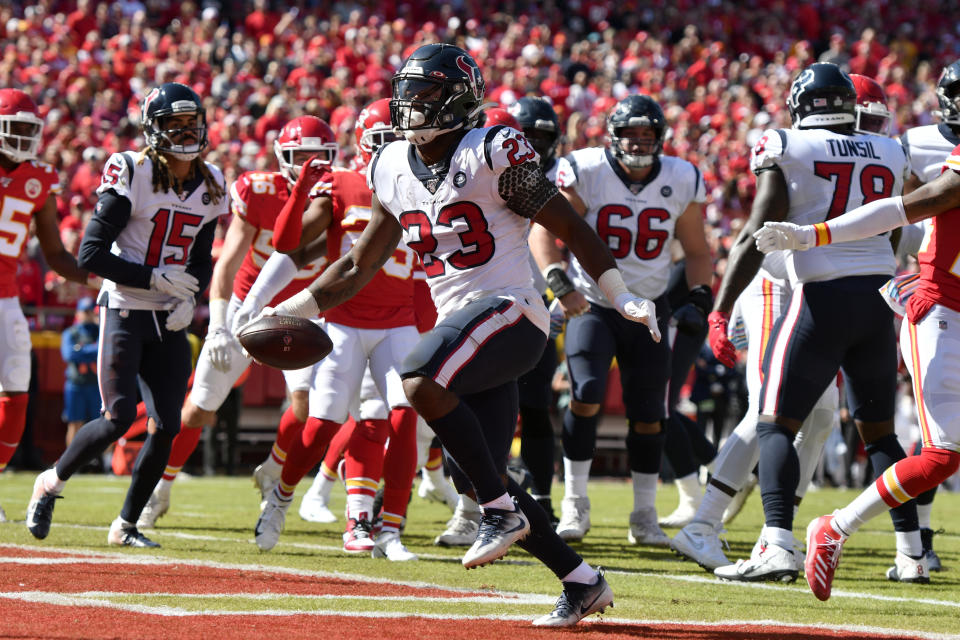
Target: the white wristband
(867, 221)
(551, 267)
(300, 304)
(612, 284)
(218, 314)
(277, 272)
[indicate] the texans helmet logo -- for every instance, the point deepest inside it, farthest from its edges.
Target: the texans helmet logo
(150, 98)
(473, 75)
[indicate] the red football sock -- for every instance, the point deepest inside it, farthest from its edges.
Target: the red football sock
(13, 418)
(338, 445)
(913, 475)
(307, 450)
(288, 431)
(364, 457)
(182, 448)
(400, 465)
(434, 459)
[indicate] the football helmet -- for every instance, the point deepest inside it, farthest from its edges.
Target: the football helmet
(873, 117)
(540, 125)
(948, 93)
(497, 115)
(636, 111)
(373, 128)
(822, 96)
(306, 133)
(439, 89)
(173, 99)
(20, 126)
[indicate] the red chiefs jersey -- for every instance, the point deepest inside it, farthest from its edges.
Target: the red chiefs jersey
(387, 300)
(257, 197)
(24, 190)
(939, 259)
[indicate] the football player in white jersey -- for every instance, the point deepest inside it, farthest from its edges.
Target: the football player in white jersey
(637, 201)
(756, 310)
(463, 198)
(160, 207)
(835, 320)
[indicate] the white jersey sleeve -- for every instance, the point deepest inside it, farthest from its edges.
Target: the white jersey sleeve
(927, 147)
(118, 174)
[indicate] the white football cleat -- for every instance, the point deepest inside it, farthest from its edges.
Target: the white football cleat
(128, 536)
(772, 564)
(157, 505)
(498, 530)
(574, 518)
(444, 493)
(645, 530)
(461, 529)
(315, 509)
(271, 522)
(389, 546)
(700, 542)
(266, 482)
(577, 602)
(906, 569)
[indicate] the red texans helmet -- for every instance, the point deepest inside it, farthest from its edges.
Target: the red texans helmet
(20, 126)
(309, 134)
(873, 117)
(497, 116)
(374, 129)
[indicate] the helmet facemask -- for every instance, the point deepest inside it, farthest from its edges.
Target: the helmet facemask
(292, 157)
(636, 146)
(873, 118)
(170, 140)
(949, 97)
(20, 136)
(375, 137)
(419, 110)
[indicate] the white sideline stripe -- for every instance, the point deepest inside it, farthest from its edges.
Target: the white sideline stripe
(782, 587)
(113, 557)
(531, 599)
(92, 557)
(177, 612)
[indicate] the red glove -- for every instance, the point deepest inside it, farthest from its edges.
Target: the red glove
(288, 227)
(722, 348)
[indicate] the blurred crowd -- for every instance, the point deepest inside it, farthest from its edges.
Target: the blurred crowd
(721, 70)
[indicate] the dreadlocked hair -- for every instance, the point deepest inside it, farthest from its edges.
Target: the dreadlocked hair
(164, 180)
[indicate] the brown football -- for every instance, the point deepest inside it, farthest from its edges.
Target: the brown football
(285, 342)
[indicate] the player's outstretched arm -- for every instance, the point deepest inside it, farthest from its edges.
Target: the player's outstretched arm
(772, 203)
(342, 279)
(56, 255)
(873, 218)
(558, 217)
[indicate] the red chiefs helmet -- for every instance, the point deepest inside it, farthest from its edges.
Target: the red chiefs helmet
(873, 117)
(497, 116)
(309, 134)
(20, 126)
(374, 129)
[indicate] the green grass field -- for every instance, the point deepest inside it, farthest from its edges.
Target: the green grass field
(212, 519)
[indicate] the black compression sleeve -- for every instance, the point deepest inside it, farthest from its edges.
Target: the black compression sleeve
(200, 260)
(109, 219)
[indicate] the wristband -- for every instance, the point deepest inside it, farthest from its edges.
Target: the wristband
(558, 280)
(701, 297)
(218, 314)
(301, 304)
(612, 284)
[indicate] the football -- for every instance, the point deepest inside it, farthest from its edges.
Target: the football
(285, 342)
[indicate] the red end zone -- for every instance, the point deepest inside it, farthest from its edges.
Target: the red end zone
(40, 601)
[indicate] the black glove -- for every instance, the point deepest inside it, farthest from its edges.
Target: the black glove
(691, 318)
